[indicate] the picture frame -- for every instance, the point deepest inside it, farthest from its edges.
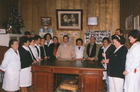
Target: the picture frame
(92, 21)
(137, 22)
(45, 21)
(2, 31)
(129, 22)
(69, 19)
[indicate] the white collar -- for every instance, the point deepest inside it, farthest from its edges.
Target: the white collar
(25, 47)
(37, 45)
(65, 44)
(118, 48)
(104, 49)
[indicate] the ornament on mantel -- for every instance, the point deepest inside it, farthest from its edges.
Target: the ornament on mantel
(15, 23)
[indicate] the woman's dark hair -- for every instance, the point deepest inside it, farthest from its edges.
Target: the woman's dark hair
(36, 37)
(135, 34)
(107, 39)
(65, 36)
(121, 31)
(23, 40)
(11, 42)
(46, 36)
(31, 39)
(119, 38)
(79, 39)
(55, 37)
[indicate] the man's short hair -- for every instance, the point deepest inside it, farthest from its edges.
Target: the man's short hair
(27, 33)
(65, 36)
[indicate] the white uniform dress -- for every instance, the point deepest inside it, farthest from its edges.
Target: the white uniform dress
(132, 79)
(11, 66)
(79, 52)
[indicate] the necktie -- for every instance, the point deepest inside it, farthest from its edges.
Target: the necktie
(79, 48)
(32, 54)
(48, 43)
(16, 52)
(37, 50)
(42, 52)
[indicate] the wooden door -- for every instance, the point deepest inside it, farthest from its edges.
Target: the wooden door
(42, 82)
(91, 83)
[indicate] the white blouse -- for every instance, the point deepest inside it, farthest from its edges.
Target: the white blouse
(79, 52)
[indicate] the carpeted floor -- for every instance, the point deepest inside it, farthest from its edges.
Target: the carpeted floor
(30, 89)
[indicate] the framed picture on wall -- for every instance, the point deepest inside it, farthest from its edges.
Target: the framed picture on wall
(136, 22)
(92, 21)
(129, 22)
(46, 21)
(69, 19)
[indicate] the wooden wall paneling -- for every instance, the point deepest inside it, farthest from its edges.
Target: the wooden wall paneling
(102, 15)
(96, 6)
(71, 4)
(58, 4)
(53, 16)
(90, 11)
(74, 4)
(84, 24)
(5, 6)
(116, 15)
(47, 8)
(42, 13)
(77, 4)
(4, 13)
(24, 13)
(35, 17)
(63, 6)
(122, 18)
(109, 15)
(29, 15)
(84, 7)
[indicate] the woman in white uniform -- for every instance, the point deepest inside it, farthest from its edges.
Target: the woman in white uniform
(132, 70)
(11, 66)
(79, 49)
(27, 60)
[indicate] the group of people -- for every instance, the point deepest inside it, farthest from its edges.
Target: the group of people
(122, 65)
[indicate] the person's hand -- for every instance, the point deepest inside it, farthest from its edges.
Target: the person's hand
(73, 59)
(45, 57)
(79, 58)
(92, 58)
(125, 72)
(58, 58)
(34, 62)
(106, 61)
(40, 59)
(1, 70)
(103, 54)
(102, 61)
